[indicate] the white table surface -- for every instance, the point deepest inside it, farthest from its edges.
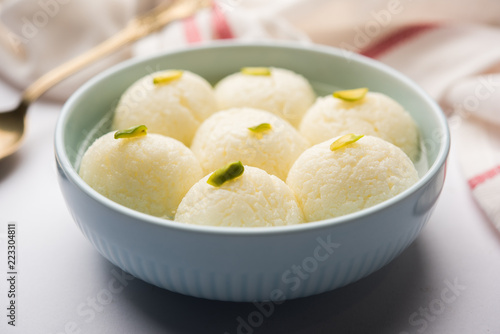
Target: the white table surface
(64, 284)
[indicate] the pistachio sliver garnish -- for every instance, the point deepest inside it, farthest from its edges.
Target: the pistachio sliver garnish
(167, 77)
(226, 173)
(351, 95)
(135, 131)
(344, 141)
(261, 128)
(266, 71)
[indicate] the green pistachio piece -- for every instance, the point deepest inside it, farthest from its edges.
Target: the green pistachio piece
(167, 77)
(226, 173)
(256, 71)
(345, 140)
(261, 128)
(135, 131)
(351, 95)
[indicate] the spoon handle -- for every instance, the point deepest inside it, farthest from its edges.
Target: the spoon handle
(136, 29)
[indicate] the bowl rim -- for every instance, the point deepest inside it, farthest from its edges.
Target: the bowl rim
(72, 174)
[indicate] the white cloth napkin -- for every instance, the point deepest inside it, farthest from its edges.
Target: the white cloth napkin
(454, 53)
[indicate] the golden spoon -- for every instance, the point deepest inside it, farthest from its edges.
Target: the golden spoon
(12, 122)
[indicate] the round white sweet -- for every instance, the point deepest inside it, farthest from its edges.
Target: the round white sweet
(254, 199)
(357, 176)
(174, 109)
(224, 137)
(376, 115)
(284, 93)
(149, 174)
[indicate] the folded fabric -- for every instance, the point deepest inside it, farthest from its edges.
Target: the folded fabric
(47, 33)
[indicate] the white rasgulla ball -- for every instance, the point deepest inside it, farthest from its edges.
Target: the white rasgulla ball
(376, 115)
(254, 199)
(224, 137)
(174, 109)
(149, 174)
(357, 176)
(284, 93)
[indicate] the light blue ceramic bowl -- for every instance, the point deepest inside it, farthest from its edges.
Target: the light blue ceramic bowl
(250, 264)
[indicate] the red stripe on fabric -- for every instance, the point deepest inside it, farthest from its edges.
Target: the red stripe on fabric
(483, 177)
(191, 30)
(220, 25)
(396, 38)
